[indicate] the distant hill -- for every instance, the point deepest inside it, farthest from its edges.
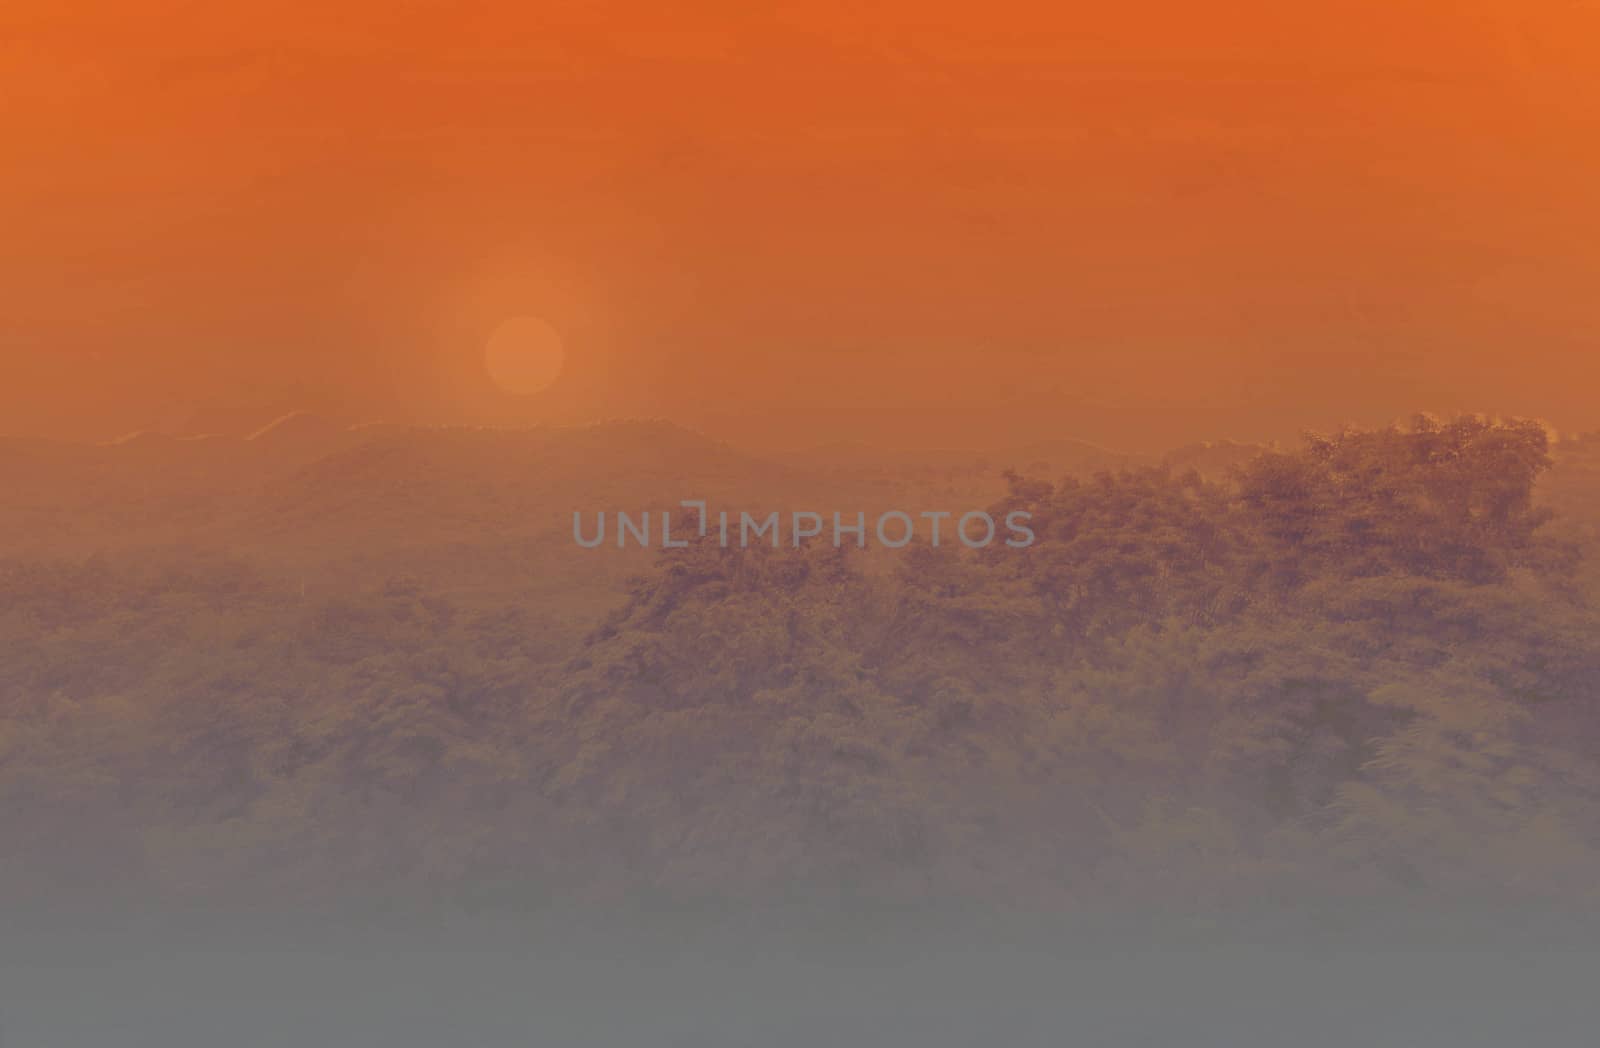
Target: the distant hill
(471, 507)
(464, 507)
(1212, 459)
(1049, 459)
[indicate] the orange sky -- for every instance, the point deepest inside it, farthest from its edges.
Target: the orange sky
(1135, 223)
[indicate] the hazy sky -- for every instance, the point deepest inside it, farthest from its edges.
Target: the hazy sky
(1138, 223)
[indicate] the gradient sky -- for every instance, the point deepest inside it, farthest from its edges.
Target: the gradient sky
(1138, 223)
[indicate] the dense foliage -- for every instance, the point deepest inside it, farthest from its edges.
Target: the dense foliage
(1370, 664)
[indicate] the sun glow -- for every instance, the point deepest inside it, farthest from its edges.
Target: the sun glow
(524, 356)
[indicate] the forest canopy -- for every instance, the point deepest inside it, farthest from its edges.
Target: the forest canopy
(1367, 664)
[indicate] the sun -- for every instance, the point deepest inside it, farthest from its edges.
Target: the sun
(524, 356)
